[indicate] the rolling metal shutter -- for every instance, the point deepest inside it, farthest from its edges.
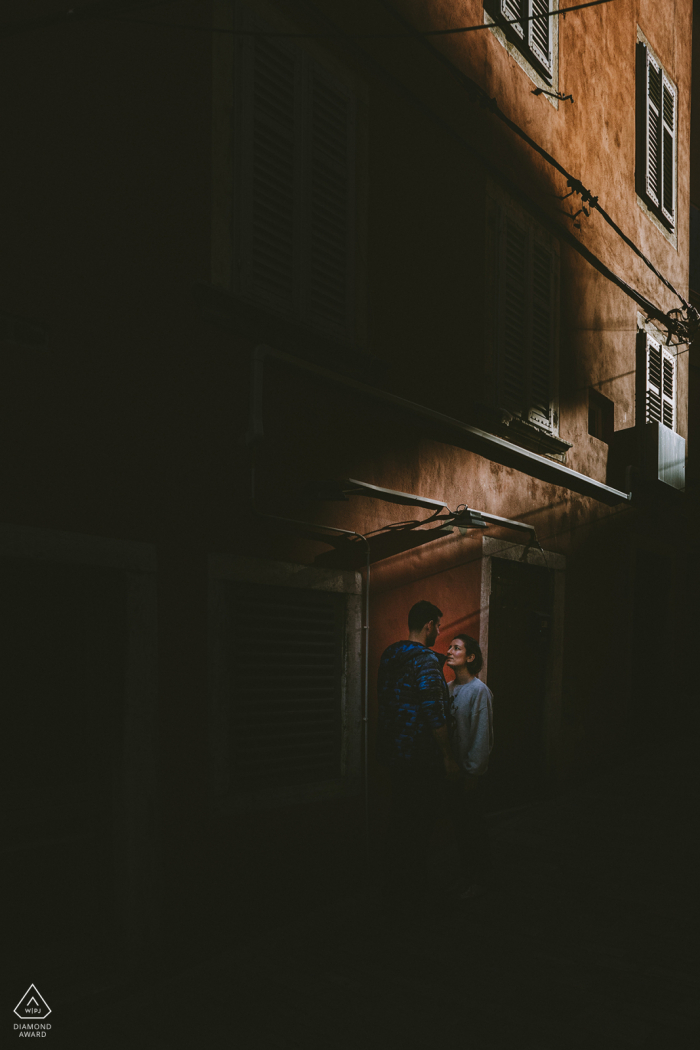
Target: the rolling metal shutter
(286, 677)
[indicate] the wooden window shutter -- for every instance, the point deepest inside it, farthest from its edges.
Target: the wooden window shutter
(513, 9)
(539, 33)
(330, 189)
(527, 312)
(668, 149)
(514, 314)
(273, 176)
(660, 384)
(542, 336)
(653, 382)
(654, 79)
(286, 674)
(668, 392)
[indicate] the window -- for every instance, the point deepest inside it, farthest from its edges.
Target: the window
(286, 671)
(294, 147)
(527, 302)
(657, 118)
(660, 384)
(533, 38)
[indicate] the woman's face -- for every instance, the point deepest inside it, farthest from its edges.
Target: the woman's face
(457, 654)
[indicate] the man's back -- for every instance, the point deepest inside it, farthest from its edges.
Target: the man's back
(412, 704)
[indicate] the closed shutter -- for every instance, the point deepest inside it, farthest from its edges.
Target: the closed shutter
(660, 384)
(514, 290)
(273, 178)
(511, 9)
(539, 33)
(668, 126)
(527, 323)
(330, 202)
(653, 128)
(286, 673)
(542, 336)
(661, 118)
(294, 224)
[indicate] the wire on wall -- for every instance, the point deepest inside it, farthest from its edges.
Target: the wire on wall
(683, 324)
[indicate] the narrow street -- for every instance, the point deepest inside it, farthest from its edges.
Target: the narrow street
(590, 941)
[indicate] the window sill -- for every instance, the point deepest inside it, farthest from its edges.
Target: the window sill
(527, 435)
(671, 235)
(256, 323)
(547, 83)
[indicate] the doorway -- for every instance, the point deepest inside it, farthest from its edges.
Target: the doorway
(523, 639)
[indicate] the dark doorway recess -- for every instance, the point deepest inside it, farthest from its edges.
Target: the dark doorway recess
(62, 682)
(521, 608)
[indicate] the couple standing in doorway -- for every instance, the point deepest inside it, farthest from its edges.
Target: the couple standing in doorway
(435, 740)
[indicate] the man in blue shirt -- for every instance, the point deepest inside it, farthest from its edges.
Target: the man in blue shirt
(414, 744)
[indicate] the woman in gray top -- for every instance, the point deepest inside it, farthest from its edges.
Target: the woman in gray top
(472, 724)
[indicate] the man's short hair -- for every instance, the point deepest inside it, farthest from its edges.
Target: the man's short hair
(472, 648)
(422, 613)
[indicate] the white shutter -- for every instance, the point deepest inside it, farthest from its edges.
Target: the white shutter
(514, 314)
(539, 33)
(653, 94)
(330, 199)
(542, 336)
(513, 9)
(660, 384)
(273, 176)
(668, 133)
(668, 389)
(653, 381)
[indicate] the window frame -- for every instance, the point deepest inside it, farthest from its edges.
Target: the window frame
(519, 38)
(308, 67)
(651, 345)
(500, 213)
(227, 569)
(655, 201)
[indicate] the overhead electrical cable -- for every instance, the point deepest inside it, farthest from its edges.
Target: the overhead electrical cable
(682, 327)
(543, 216)
(575, 184)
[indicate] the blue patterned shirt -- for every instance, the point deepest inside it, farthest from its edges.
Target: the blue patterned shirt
(413, 701)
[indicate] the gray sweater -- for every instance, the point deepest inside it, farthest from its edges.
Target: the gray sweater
(471, 710)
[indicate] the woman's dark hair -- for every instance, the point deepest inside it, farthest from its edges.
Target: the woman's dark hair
(472, 647)
(422, 613)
